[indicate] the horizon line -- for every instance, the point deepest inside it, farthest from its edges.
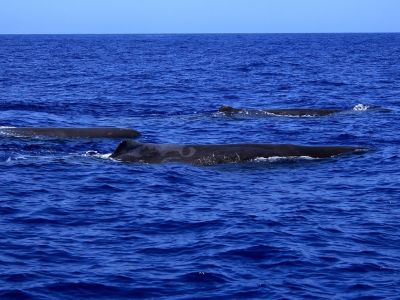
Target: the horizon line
(209, 33)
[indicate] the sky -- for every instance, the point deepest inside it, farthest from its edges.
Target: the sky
(198, 16)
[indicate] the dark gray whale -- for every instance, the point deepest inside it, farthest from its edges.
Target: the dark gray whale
(294, 112)
(297, 112)
(132, 151)
(104, 132)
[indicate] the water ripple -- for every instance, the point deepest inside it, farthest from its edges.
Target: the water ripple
(76, 225)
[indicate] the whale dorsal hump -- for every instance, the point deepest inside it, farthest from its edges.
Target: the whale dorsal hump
(228, 109)
(125, 146)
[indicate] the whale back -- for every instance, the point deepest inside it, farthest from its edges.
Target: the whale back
(228, 109)
(59, 132)
(133, 151)
(290, 112)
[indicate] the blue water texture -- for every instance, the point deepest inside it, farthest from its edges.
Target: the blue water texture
(76, 225)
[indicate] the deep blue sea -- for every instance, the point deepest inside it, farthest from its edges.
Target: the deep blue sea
(76, 225)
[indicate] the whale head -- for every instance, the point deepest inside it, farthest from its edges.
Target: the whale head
(133, 151)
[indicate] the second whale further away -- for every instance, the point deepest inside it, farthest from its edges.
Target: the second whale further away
(132, 151)
(104, 132)
(293, 112)
(296, 112)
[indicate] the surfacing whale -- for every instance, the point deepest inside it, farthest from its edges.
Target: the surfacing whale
(104, 132)
(297, 112)
(292, 112)
(132, 151)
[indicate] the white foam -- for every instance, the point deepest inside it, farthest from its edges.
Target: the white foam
(19, 157)
(360, 107)
(281, 158)
(93, 153)
(23, 157)
(289, 116)
(5, 133)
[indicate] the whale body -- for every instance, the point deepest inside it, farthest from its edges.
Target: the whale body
(297, 112)
(293, 112)
(104, 132)
(132, 151)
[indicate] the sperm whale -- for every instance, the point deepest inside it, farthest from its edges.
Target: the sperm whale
(297, 112)
(294, 112)
(103, 132)
(132, 151)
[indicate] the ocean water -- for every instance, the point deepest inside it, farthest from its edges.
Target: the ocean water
(76, 225)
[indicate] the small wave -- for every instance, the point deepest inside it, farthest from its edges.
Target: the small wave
(258, 252)
(37, 221)
(92, 290)
(365, 267)
(50, 158)
(328, 83)
(35, 157)
(360, 107)
(14, 294)
(203, 277)
(17, 158)
(358, 287)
